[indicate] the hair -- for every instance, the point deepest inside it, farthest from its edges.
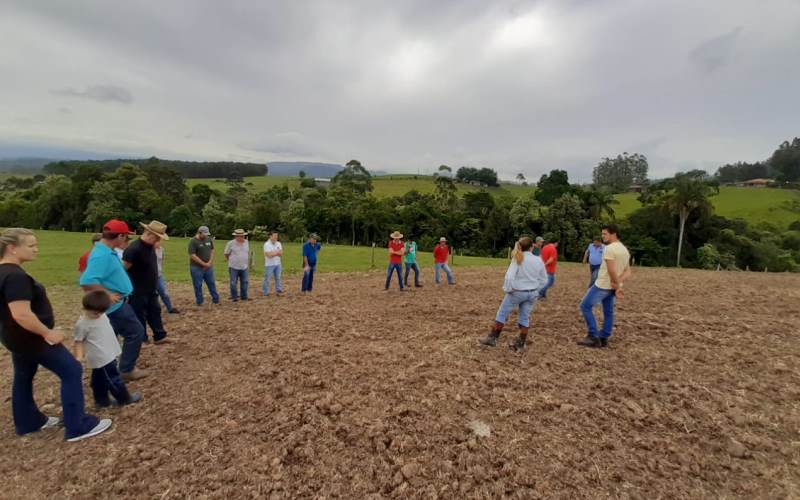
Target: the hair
(597, 238)
(274, 231)
(612, 229)
(97, 301)
(13, 236)
(524, 244)
(97, 237)
(109, 235)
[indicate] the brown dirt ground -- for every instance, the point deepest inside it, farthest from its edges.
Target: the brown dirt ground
(354, 392)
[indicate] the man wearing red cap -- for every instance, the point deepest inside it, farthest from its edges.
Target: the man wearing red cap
(104, 271)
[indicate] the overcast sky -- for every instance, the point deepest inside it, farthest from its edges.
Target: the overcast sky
(404, 86)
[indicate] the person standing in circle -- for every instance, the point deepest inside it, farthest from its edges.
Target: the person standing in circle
(441, 255)
(310, 250)
(550, 258)
(411, 261)
(27, 321)
(237, 253)
(273, 250)
(594, 257)
(396, 249)
(201, 265)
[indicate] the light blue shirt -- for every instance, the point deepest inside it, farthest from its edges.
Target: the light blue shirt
(530, 275)
(105, 269)
(595, 254)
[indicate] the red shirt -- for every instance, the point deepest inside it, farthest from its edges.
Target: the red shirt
(440, 254)
(549, 251)
(82, 261)
(395, 245)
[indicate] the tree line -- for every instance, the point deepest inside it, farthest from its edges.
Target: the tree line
(187, 169)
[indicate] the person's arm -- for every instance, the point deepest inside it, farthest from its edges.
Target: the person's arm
(509, 277)
(306, 267)
(586, 256)
(127, 264)
(210, 258)
(78, 350)
(24, 317)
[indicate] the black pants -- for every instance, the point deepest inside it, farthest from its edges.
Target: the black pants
(107, 379)
(148, 310)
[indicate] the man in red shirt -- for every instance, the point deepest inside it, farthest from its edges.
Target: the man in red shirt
(85, 257)
(550, 257)
(396, 251)
(441, 254)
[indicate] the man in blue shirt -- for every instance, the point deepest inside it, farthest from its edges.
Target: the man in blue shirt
(594, 257)
(104, 271)
(310, 250)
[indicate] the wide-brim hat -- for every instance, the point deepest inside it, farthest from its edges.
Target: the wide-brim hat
(442, 239)
(157, 228)
(239, 232)
(204, 230)
(313, 236)
(396, 235)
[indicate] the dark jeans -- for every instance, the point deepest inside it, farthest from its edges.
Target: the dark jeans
(593, 270)
(551, 279)
(200, 275)
(57, 359)
(392, 268)
(243, 277)
(162, 292)
(107, 379)
(409, 267)
(127, 325)
(308, 279)
(147, 309)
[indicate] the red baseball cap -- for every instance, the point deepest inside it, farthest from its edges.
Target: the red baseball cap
(117, 226)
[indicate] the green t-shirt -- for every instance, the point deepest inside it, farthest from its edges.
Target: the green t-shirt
(411, 252)
(200, 248)
(536, 250)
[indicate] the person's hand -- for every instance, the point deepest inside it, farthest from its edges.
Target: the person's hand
(207, 265)
(54, 337)
(115, 297)
(306, 269)
(619, 294)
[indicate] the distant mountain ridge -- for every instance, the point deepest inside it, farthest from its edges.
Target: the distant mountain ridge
(293, 168)
(23, 165)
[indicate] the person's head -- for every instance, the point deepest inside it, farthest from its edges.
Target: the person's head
(116, 233)
(525, 244)
(18, 245)
(610, 233)
(443, 241)
(96, 237)
(203, 232)
(597, 241)
(96, 303)
(312, 238)
(154, 232)
(273, 236)
(397, 236)
(539, 241)
(239, 235)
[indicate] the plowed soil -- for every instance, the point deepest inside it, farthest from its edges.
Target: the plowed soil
(353, 392)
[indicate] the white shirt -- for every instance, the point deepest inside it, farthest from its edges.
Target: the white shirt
(238, 255)
(530, 275)
(270, 247)
(100, 343)
(160, 260)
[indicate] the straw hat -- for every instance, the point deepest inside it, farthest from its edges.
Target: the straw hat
(157, 228)
(240, 232)
(442, 239)
(397, 235)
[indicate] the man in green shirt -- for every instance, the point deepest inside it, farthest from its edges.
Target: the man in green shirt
(411, 261)
(201, 261)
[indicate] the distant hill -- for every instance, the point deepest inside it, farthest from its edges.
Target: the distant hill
(23, 165)
(293, 168)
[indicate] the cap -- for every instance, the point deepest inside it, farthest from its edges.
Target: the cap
(539, 238)
(117, 226)
(442, 239)
(313, 236)
(203, 229)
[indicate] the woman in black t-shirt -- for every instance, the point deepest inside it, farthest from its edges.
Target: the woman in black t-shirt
(26, 329)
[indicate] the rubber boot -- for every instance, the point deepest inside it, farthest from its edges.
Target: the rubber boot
(519, 344)
(491, 339)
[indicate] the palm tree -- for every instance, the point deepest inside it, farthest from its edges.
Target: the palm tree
(598, 202)
(686, 193)
(520, 177)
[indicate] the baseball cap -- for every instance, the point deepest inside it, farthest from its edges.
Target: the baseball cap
(539, 238)
(442, 239)
(117, 226)
(203, 229)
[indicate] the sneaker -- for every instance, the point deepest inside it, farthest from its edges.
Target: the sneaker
(245, 298)
(603, 341)
(589, 341)
(174, 310)
(234, 300)
(134, 397)
(418, 286)
(102, 426)
(165, 340)
(50, 423)
(135, 374)
(99, 405)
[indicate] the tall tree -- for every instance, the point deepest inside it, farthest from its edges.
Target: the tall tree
(552, 186)
(683, 194)
(786, 161)
(521, 178)
(620, 173)
(597, 203)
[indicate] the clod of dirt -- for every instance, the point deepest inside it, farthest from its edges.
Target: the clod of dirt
(567, 407)
(410, 470)
(737, 449)
(480, 429)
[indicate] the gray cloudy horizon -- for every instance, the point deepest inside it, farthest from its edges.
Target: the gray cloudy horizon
(522, 86)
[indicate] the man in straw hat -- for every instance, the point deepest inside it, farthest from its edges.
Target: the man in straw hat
(104, 271)
(396, 251)
(237, 253)
(441, 254)
(142, 264)
(201, 265)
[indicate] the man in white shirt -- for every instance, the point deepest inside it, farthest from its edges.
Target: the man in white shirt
(237, 253)
(272, 264)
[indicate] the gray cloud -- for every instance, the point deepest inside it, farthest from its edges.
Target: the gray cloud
(101, 93)
(715, 52)
(285, 143)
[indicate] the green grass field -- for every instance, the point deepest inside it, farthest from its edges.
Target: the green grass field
(755, 205)
(59, 251)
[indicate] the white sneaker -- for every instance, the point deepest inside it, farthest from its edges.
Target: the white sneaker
(51, 422)
(100, 427)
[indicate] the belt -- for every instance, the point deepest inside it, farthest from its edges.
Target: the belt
(535, 289)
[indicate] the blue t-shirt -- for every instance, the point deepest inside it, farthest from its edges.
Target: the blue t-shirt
(310, 252)
(105, 269)
(595, 254)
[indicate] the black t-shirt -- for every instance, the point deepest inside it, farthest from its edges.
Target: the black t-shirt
(144, 268)
(16, 285)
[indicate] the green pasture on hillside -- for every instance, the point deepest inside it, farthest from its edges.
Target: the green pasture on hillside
(59, 251)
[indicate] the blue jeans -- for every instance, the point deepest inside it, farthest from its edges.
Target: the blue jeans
(308, 279)
(593, 270)
(409, 267)
(551, 279)
(146, 307)
(162, 292)
(107, 379)
(269, 272)
(127, 325)
(392, 268)
(57, 359)
(442, 266)
(200, 275)
(243, 277)
(523, 300)
(593, 297)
